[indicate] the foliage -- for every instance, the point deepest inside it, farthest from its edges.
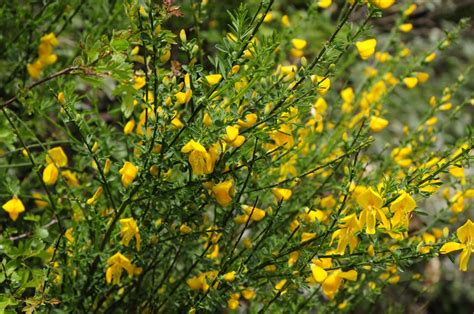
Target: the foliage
(263, 158)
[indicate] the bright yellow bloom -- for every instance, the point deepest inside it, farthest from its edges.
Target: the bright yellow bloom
(68, 235)
(222, 193)
(248, 293)
(324, 3)
(129, 172)
(70, 178)
(377, 124)
(331, 282)
(139, 82)
(382, 4)
(230, 276)
(232, 137)
(50, 174)
(201, 161)
(282, 194)
(130, 230)
(96, 196)
(349, 226)
(465, 235)
(371, 203)
(255, 214)
(298, 43)
(40, 200)
(406, 27)
(14, 207)
(50, 39)
(213, 79)
(402, 207)
(250, 120)
(366, 48)
(323, 84)
(285, 21)
(198, 283)
(118, 263)
(410, 82)
(56, 155)
(430, 57)
(409, 11)
(128, 128)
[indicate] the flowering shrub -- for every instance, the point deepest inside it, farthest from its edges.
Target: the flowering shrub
(263, 165)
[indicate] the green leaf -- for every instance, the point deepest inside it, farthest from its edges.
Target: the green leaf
(120, 44)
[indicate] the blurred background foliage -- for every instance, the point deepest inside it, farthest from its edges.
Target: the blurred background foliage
(78, 23)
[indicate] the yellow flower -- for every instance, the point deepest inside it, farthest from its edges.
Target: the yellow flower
(230, 276)
(371, 203)
(465, 234)
(40, 200)
(139, 82)
(232, 137)
(324, 3)
(70, 178)
(285, 21)
(118, 263)
(430, 57)
(377, 124)
(250, 120)
(129, 173)
(14, 207)
(382, 4)
(198, 283)
(50, 39)
(222, 192)
(50, 174)
(402, 207)
(323, 84)
(57, 156)
(34, 69)
(346, 234)
(331, 282)
(61, 98)
(406, 27)
(128, 128)
(96, 196)
(410, 82)
(201, 161)
(366, 48)
(248, 293)
(409, 11)
(282, 194)
(213, 79)
(255, 214)
(68, 235)
(130, 230)
(298, 43)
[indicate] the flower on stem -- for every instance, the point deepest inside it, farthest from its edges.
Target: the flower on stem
(14, 207)
(117, 263)
(222, 192)
(465, 235)
(371, 204)
(129, 172)
(349, 226)
(130, 230)
(201, 161)
(366, 48)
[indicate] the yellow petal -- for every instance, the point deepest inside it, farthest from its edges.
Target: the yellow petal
(450, 247)
(319, 274)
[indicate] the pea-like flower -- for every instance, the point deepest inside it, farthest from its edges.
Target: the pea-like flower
(201, 161)
(129, 172)
(14, 207)
(465, 235)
